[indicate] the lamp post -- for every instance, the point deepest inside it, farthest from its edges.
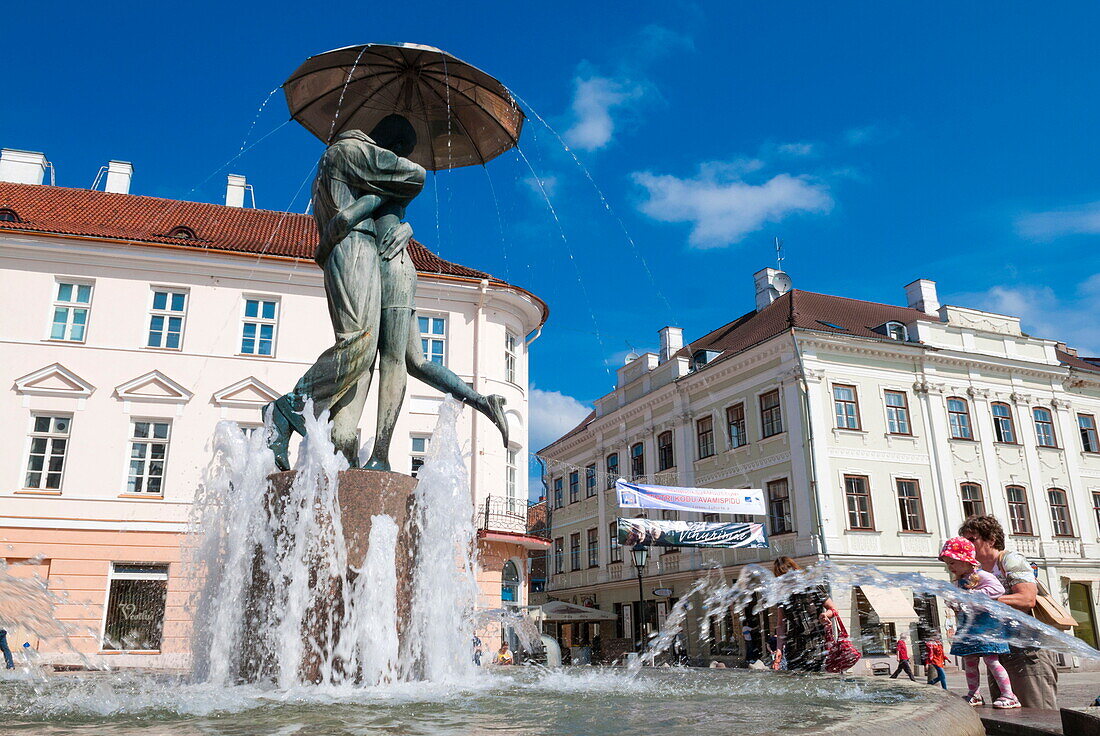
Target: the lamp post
(640, 553)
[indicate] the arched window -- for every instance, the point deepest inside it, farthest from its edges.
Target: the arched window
(1018, 514)
(509, 583)
(897, 331)
(972, 500)
(637, 461)
(1003, 426)
(1059, 512)
(665, 459)
(1044, 427)
(958, 416)
(182, 232)
(8, 215)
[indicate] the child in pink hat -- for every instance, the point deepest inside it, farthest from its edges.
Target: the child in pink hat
(980, 636)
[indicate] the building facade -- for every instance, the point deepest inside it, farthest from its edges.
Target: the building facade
(131, 325)
(873, 429)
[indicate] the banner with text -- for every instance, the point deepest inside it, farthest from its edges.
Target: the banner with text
(691, 534)
(748, 501)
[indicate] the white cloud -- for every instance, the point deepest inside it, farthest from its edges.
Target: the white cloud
(552, 414)
(549, 186)
(1080, 220)
(722, 207)
(797, 149)
(868, 135)
(594, 99)
(1068, 315)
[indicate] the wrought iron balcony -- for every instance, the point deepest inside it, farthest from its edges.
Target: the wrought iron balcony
(502, 514)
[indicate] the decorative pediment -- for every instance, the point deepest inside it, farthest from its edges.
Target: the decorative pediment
(54, 380)
(248, 393)
(153, 386)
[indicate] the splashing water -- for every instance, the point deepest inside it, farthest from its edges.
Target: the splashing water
(278, 599)
(756, 590)
(445, 586)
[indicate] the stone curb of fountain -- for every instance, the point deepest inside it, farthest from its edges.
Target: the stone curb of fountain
(933, 713)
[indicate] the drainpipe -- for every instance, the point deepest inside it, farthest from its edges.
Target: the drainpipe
(538, 334)
(483, 288)
(804, 390)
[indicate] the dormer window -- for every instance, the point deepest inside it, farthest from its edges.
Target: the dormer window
(897, 331)
(8, 215)
(702, 357)
(183, 233)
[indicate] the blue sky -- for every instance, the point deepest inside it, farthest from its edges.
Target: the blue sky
(881, 142)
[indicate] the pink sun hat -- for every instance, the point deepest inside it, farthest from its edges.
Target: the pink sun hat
(959, 548)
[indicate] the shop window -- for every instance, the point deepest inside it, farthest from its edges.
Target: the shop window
(135, 607)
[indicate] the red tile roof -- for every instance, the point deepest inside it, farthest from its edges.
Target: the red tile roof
(1081, 364)
(134, 218)
(807, 310)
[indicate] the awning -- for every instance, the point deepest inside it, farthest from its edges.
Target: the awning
(562, 611)
(891, 604)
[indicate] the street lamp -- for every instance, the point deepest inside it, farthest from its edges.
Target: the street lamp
(640, 553)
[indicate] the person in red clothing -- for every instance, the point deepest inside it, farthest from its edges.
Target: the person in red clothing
(903, 660)
(934, 659)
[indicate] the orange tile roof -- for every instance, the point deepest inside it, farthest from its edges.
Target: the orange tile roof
(806, 310)
(134, 218)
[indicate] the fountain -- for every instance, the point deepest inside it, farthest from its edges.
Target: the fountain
(338, 598)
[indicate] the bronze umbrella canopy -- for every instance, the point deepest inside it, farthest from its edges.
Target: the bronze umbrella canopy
(462, 116)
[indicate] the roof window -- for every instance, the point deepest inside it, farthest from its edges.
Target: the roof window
(702, 357)
(830, 324)
(8, 215)
(183, 233)
(897, 331)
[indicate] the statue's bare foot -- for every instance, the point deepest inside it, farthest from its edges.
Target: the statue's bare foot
(494, 409)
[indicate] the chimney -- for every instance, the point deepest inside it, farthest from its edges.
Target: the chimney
(672, 339)
(921, 294)
(119, 174)
(22, 167)
(771, 283)
(234, 190)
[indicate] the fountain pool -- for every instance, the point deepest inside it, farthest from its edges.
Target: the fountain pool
(523, 700)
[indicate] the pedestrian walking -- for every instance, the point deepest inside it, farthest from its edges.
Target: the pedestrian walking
(981, 636)
(934, 660)
(9, 662)
(902, 650)
(801, 621)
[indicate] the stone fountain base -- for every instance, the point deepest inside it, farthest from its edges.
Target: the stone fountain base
(362, 494)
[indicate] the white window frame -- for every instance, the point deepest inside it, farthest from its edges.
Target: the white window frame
(49, 436)
(415, 454)
(1050, 440)
(904, 331)
(258, 321)
(788, 517)
(167, 442)
(511, 358)
(841, 417)
(889, 412)
(166, 314)
(69, 306)
(113, 575)
(431, 336)
(511, 477)
(778, 390)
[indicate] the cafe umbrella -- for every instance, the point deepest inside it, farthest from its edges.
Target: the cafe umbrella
(462, 116)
